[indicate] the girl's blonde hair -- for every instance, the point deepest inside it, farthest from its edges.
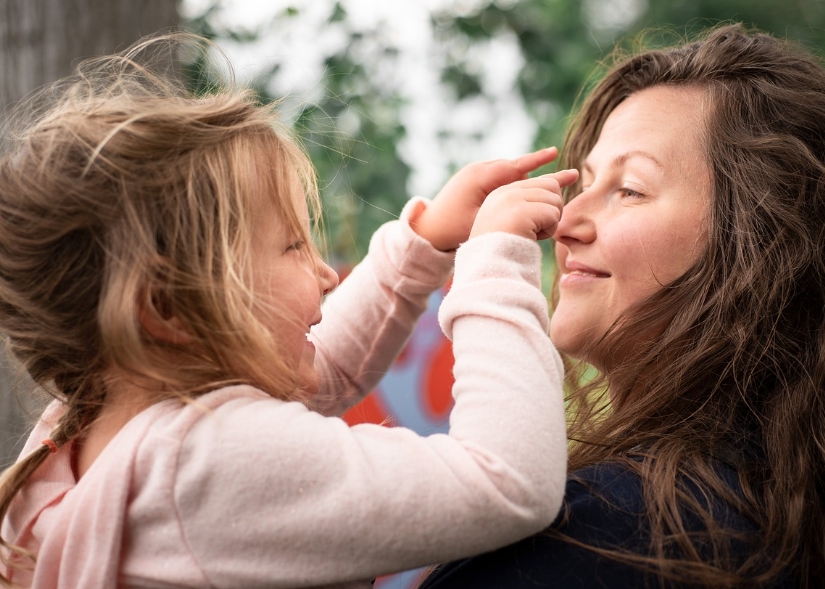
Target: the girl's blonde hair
(119, 188)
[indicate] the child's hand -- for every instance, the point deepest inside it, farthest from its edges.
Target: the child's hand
(447, 221)
(530, 208)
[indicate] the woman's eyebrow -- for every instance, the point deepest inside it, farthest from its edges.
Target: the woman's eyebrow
(620, 159)
(623, 157)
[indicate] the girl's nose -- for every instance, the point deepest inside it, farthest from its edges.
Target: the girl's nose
(327, 277)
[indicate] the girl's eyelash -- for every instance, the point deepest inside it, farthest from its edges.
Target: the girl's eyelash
(297, 245)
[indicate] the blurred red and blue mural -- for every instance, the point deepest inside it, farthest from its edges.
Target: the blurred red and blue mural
(415, 393)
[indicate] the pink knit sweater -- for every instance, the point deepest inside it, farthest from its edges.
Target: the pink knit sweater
(243, 490)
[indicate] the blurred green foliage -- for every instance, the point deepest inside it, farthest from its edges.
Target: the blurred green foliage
(362, 178)
(353, 131)
(351, 134)
(565, 41)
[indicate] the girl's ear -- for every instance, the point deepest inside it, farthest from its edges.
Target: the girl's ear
(156, 317)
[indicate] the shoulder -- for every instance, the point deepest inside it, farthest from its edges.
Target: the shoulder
(173, 419)
(195, 456)
(224, 426)
(605, 483)
(604, 507)
(219, 424)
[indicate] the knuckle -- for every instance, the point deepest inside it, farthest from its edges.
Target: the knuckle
(554, 185)
(490, 164)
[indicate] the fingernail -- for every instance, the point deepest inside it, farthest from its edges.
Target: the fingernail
(560, 172)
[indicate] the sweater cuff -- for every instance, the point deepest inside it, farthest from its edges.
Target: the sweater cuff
(410, 254)
(498, 269)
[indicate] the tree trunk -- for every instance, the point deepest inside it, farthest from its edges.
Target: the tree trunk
(40, 41)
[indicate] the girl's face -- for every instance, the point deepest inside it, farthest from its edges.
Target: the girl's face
(289, 280)
(640, 220)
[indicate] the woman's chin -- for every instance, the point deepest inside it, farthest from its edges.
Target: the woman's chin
(565, 344)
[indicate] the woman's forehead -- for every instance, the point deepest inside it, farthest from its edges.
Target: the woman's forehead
(659, 128)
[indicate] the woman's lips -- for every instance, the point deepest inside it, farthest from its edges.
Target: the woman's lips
(577, 273)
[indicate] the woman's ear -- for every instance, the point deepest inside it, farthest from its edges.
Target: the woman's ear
(156, 317)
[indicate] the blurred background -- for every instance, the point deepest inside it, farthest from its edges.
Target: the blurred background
(390, 97)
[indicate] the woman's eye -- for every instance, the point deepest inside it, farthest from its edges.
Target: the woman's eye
(630, 193)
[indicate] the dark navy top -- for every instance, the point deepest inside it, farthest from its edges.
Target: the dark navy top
(604, 507)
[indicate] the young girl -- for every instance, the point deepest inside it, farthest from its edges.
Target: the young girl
(157, 277)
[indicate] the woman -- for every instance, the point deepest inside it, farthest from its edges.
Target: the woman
(692, 276)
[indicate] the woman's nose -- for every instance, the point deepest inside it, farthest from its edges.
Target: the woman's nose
(577, 223)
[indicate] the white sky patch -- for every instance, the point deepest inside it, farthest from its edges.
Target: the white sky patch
(440, 133)
(613, 15)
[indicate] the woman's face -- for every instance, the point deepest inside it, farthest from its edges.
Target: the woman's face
(639, 222)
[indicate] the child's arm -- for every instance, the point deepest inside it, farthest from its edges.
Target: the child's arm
(269, 493)
(369, 318)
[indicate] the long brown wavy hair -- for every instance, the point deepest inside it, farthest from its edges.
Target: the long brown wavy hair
(737, 371)
(120, 186)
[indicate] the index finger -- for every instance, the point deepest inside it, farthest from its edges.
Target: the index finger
(563, 177)
(531, 161)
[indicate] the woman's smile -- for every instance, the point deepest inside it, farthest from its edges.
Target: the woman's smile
(575, 273)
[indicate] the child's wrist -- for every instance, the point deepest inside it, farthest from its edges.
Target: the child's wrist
(422, 224)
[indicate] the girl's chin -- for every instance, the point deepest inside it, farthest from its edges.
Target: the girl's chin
(308, 379)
